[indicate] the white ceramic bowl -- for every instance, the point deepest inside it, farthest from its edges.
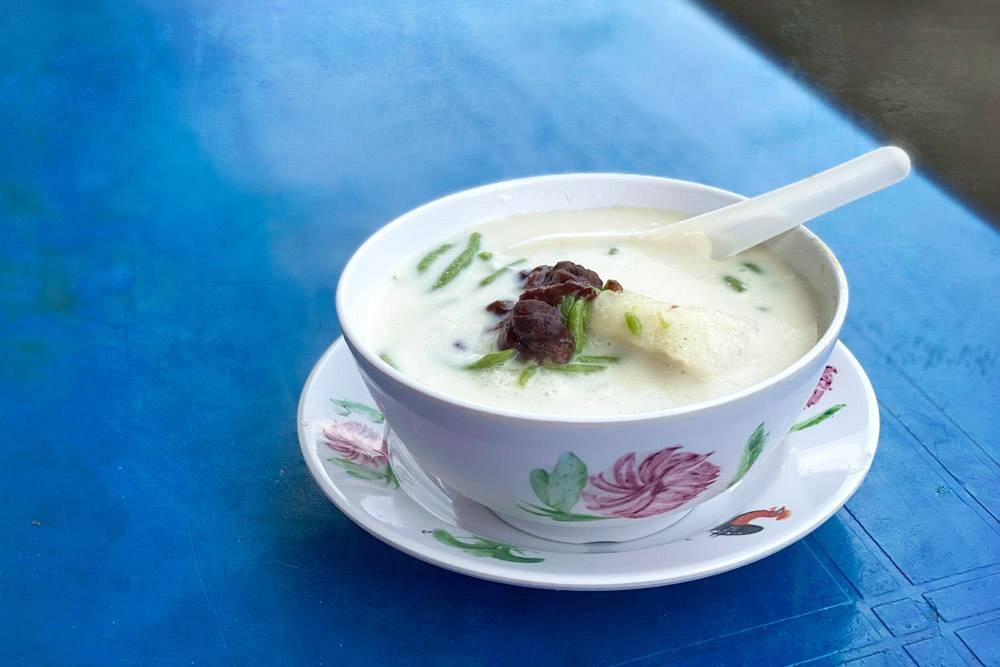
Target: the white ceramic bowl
(605, 478)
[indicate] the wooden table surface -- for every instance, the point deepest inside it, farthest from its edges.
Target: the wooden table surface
(180, 186)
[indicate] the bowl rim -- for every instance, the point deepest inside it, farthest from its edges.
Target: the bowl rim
(357, 344)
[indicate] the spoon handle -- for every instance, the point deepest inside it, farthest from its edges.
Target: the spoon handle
(735, 228)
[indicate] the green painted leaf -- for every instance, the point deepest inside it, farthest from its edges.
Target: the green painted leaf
(355, 470)
(752, 451)
(558, 515)
(571, 517)
(511, 557)
(566, 481)
(444, 537)
(364, 474)
(539, 480)
(821, 417)
(537, 511)
(344, 408)
(390, 477)
(386, 474)
(483, 548)
(559, 490)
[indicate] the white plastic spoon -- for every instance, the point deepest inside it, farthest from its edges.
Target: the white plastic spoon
(737, 227)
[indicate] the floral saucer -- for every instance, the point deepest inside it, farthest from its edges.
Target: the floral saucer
(369, 474)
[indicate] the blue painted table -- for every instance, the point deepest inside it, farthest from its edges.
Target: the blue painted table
(180, 185)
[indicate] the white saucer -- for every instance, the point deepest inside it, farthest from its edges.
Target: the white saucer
(348, 449)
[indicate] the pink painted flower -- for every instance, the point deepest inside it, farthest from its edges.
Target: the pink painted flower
(824, 385)
(357, 443)
(661, 482)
